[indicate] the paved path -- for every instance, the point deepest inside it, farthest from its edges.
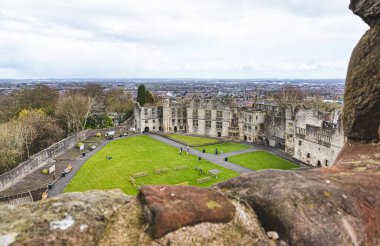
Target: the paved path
(217, 159)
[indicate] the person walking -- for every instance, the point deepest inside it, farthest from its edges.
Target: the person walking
(187, 149)
(180, 151)
(221, 152)
(216, 151)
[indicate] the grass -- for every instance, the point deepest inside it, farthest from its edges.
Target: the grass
(192, 141)
(259, 160)
(140, 154)
(226, 147)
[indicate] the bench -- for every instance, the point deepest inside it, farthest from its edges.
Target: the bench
(161, 170)
(203, 180)
(214, 172)
(139, 175)
(183, 184)
(179, 168)
(200, 170)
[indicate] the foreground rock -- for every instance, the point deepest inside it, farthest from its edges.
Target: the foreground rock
(112, 218)
(361, 117)
(188, 205)
(368, 10)
(332, 206)
(70, 219)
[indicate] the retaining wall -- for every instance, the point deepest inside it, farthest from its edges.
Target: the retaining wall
(41, 158)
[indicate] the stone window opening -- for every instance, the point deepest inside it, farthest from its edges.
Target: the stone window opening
(308, 155)
(208, 124)
(219, 125)
(299, 142)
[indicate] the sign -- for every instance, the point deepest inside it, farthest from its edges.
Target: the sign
(81, 147)
(111, 133)
(51, 169)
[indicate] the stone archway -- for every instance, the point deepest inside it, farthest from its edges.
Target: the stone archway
(266, 141)
(146, 129)
(175, 129)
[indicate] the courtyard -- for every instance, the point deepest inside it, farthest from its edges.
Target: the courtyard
(154, 161)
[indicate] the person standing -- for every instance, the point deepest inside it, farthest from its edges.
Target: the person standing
(187, 149)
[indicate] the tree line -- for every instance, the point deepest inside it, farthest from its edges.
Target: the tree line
(32, 119)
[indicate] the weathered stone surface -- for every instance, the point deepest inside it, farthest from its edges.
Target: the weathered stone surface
(368, 10)
(112, 218)
(330, 206)
(173, 207)
(361, 115)
(129, 224)
(71, 219)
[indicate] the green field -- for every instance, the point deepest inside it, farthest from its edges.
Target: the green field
(261, 160)
(140, 154)
(226, 147)
(192, 141)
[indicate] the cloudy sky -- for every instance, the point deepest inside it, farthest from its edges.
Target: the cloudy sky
(177, 38)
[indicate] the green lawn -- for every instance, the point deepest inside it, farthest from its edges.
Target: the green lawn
(261, 160)
(192, 141)
(226, 147)
(140, 154)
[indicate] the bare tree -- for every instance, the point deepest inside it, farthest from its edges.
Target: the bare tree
(76, 109)
(11, 147)
(289, 95)
(119, 103)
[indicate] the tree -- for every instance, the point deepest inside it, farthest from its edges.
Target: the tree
(76, 109)
(141, 95)
(40, 97)
(38, 130)
(93, 90)
(289, 95)
(116, 101)
(9, 108)
(11, 147)
(149, 99)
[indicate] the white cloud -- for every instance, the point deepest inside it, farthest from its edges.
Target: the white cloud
(176, 38)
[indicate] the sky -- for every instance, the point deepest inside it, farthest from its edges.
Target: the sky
(177, 38)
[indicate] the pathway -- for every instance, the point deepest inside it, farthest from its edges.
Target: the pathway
(217, 159)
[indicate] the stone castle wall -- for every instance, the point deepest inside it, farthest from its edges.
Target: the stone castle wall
(41, 158)
(267, 123)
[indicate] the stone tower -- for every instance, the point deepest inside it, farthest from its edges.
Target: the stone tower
(166, 115)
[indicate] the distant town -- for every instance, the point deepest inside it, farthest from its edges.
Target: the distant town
(245, 91)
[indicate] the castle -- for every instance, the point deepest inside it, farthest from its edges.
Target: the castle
(308, 135)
